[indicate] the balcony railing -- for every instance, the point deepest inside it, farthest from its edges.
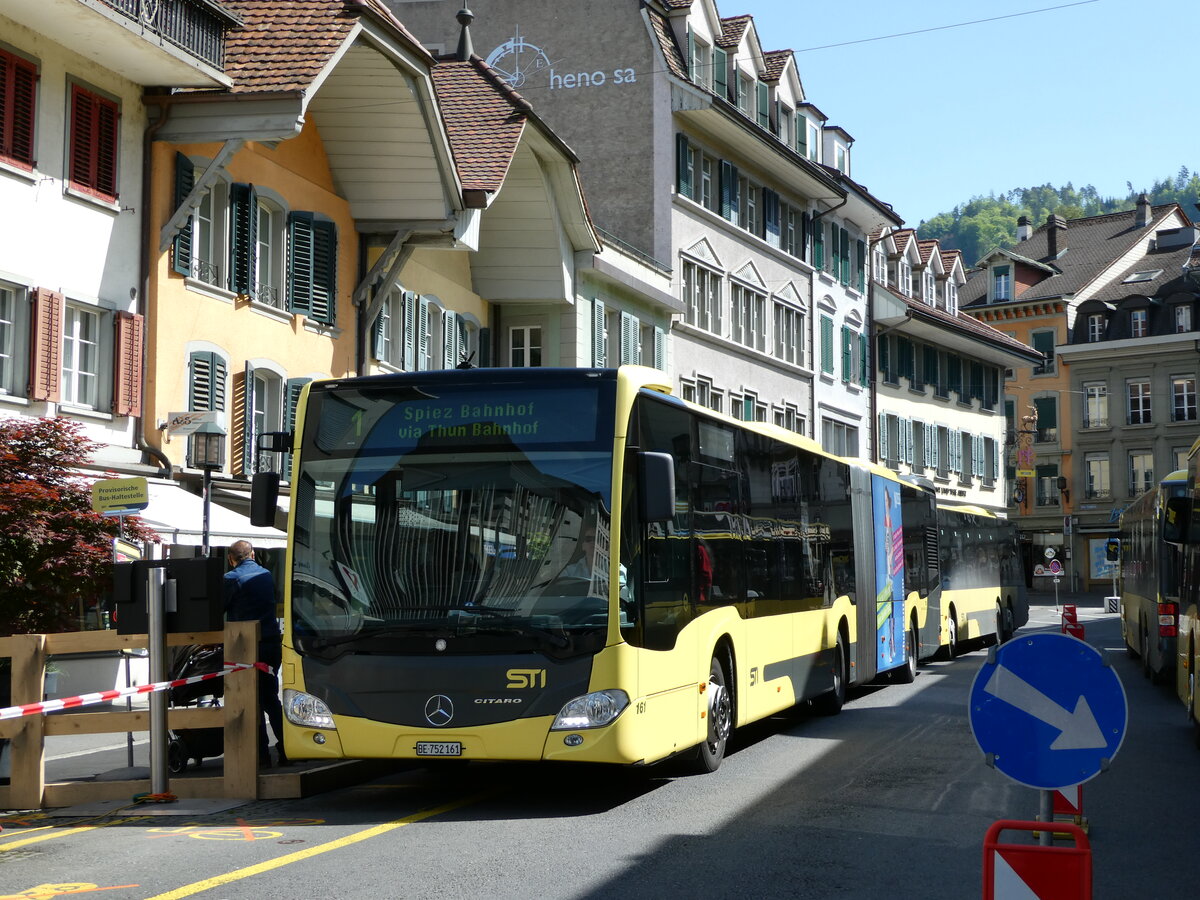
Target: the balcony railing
(194, 26)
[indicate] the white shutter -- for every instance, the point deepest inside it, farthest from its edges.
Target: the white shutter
(599, 357)
(930, 444)
(660, 349)
(629, 339)
(883, 438)
(423, 335)
(411, 308)
(908, 441)
(449, 339)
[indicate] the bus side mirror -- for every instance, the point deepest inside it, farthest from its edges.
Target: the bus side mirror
(656, 486)
(1112, 550)
(1175, 520)
(264, 498)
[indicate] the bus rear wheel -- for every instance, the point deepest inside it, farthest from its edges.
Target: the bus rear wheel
(830, 703)
(951, 636)
(720, 721)
(907, 673)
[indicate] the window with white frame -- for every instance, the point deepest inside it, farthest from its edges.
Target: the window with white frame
(879, 263)
(702, 296)
(268, 254)
(208, 239)
(267, 415)
(748, 311)
(1179, 458)
(745, 91)
(1095, 408)
(1095, 327)
(708, 184)
(14, 331)
(1098, 486)
(929, 288)
(1001, 283)
(748, 407)
(703, 63)
(1138, 393)
(1141, 472)
(1183, 398)
(785, 124)
(789, 334)
(787, 416)
(951, 296)
(1139, 322)
(814, 142)
(82, 350)
(839, 437)
(525, 346)
(904, 280)
(1183, 318)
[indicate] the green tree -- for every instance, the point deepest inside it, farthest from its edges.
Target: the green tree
(55, 552)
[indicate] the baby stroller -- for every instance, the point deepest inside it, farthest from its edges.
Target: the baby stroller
(196, 743)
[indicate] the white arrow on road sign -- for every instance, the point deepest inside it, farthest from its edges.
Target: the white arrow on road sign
(1079, 730)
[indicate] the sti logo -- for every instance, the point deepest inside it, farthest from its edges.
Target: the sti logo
(526, 678)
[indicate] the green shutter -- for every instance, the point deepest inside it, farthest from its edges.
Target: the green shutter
(243, 222)
(847, 353)
(861, 264)
(729, 190)
(185, 180)
(720, 73)
(905, 354)
(801, 135)
(207, 388)
(300, 262)
(324, 281)
(844, 274)
(291, 399)
(864, 368)
(248, 467)
(683, 171)
(827, 344)
(818, 244)
(691, 54)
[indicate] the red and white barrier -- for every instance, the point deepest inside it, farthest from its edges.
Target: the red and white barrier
(32, 709)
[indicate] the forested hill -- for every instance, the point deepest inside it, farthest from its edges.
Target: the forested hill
(984, 223)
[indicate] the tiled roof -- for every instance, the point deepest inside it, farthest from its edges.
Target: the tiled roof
(902, 237)
(775, 62)
(948, 258)
(925, 249)
(732, 30)
(283, 45)
(967, 324)
(678, 4)
(666, 42)
(484, 120)
(1093, 243)
(844, 179)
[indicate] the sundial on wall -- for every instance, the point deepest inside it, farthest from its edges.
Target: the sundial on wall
(517, 59)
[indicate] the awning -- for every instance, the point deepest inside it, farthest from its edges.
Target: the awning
(178, 516)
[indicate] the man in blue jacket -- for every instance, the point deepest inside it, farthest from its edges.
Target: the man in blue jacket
(250, 596)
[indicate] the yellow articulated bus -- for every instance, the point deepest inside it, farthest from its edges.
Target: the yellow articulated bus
(983, 589)
(1181, 528)
(1150, 570)
(572, 564)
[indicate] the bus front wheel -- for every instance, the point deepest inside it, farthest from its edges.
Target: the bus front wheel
(720, 721)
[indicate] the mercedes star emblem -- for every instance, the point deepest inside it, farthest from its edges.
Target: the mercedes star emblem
(438, 710)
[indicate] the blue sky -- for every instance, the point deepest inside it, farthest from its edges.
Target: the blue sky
(1094, 93)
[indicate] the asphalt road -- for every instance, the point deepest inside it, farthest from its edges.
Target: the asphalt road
(889, 799)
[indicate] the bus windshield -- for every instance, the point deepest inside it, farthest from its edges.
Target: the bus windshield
(452, 512)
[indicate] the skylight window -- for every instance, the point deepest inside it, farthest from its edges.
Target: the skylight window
(1142, 276)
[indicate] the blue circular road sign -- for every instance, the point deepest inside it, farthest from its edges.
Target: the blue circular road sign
(1048, 711)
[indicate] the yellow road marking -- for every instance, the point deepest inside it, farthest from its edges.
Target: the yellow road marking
(237, 875)
(57, 833)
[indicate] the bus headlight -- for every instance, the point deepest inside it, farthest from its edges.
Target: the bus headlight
(591, 711)
(307, 710)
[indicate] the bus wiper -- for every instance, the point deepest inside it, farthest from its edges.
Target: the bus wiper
(525, 630)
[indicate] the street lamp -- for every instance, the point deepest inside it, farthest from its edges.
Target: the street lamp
(208, 455)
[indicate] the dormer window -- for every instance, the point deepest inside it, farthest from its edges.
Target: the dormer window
(1139, 322)
(905, 278)
(1095, 327)
(745, 87)
(784, 116)
(1001, 283)
(1183, 318)
(879, 263)
(814, 142)
(843, 160)
(928, 288)
(951, 297)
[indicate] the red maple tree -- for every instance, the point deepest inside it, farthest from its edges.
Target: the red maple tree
(55, 551)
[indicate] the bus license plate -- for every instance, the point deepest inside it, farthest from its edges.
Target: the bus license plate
(439, 748)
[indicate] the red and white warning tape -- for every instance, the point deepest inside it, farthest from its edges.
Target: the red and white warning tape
(32, 709)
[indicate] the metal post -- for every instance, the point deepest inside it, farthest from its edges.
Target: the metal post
(1046, 815)
(158, 672)
(206, 492)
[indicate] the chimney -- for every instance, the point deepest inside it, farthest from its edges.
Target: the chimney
(465, 50)
(1142, 218)
(1055, 243)
(1024, 229)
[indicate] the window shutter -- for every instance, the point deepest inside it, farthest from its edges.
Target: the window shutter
(93, 143)
(660, 349)
(300, 261)
(127, 377)
(956, 451)
(599, 356)
(449, 340)
(908, 441)
(243, 220)
(844, 256)
(411, 330)
(691, 54)
(827, 344)
(683, 171)
(423, 335)
(801, 135)
(883, 437)
(818, 244)
(930, 449)
(185, 180)
(864, 366)
(45, 358)
(936, 459)
(861, 264)
(729, 178)
(18, 84)
(771, 216)
(996, 464)
(324, 272)
(764, 104)
(207, 389)
(377, 335)
(720, 73)
(847, 353)
(247, 412)
(884, 343)
(291, 399)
